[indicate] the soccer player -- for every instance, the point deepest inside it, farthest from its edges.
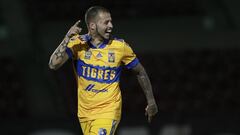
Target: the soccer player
(98, 60)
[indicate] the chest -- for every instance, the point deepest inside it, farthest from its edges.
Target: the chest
(110, 57)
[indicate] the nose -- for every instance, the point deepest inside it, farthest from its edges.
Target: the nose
(110, 25)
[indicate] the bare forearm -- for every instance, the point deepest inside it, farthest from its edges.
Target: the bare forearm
(146, 86)
(144, 83)
(59, 56)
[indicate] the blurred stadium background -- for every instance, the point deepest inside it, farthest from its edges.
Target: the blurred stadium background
(190, 49)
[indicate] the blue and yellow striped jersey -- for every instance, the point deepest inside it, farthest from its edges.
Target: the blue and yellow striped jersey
(98, 74)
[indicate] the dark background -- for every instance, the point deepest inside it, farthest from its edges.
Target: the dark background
(190, 49)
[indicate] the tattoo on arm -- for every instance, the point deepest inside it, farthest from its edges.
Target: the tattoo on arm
(144, 83)
(60, 51)
(57, 58)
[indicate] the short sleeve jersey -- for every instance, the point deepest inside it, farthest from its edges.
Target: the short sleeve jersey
(98, 74)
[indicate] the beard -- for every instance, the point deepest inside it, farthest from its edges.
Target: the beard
(104, 35)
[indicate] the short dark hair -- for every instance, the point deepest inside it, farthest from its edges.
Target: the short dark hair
(92, 13)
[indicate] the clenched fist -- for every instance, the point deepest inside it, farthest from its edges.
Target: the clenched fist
(150, 111)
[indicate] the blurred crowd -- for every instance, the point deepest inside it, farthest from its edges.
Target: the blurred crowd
(194, 81)
(12, 90)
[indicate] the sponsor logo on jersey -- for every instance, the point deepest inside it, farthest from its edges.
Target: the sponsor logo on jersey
(90, 87)
(88, 55)
(97, 73)
(99, 55)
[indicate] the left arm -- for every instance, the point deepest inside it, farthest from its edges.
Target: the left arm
(145, 83)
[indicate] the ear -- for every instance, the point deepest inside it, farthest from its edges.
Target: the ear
(92, 26)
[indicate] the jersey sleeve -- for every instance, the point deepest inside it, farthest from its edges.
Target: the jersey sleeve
(73, 47)
(129, 57)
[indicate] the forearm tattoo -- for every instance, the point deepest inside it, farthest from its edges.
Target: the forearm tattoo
(147, 89)
(61, 50)
(59, 53)
(144, 83)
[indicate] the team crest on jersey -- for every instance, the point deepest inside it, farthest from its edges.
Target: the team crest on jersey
(102, 131)
(88, 55)
(111, 56)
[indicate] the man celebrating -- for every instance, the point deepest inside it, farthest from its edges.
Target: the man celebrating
(98, 61)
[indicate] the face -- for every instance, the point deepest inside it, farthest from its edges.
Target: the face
(103, 26)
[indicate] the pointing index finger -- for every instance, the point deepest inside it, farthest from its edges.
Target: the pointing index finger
(76, 24)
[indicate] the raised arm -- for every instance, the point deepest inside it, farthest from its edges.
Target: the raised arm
(59, 56)
(145, 83)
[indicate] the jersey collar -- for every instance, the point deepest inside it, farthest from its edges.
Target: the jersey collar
(102, 45)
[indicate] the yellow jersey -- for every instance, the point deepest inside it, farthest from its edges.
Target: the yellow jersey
(98, 74)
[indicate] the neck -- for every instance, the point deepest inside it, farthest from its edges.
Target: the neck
(96, 40)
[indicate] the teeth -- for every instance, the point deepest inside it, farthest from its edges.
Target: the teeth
(109, 31)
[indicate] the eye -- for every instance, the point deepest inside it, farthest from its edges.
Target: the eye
(106, 22)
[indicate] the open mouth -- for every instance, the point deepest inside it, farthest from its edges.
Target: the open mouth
(108, 31)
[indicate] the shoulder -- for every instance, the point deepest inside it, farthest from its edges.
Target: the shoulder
(119, 41)
(84, 37)
(76, 40)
